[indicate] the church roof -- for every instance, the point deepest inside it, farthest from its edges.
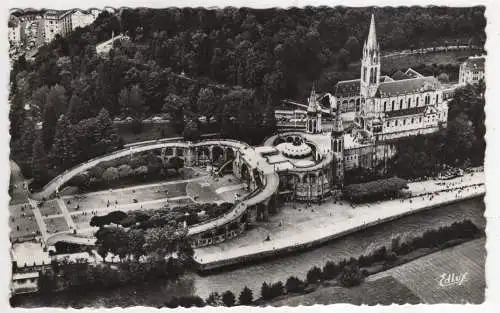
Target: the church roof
(405, 112)
(347, 88)
(407, 86)
(399, 75)
(475, 63)
(412, 73)
(385, 79)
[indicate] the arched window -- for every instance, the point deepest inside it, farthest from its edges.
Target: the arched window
(393, 103)
(396, 123)
(401, 104)
(409, 102)
(437, 98)
(417, 100)
(385, 106)
(404, 121)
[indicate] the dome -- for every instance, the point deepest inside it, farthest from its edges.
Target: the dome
(297, 150)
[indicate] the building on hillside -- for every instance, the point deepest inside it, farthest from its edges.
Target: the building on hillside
(472, 70)
(391, 108)
(15, 31)
(363, 116)
(56, 23)
(81, 18)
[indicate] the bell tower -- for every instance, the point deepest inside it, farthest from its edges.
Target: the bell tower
(338, 148)
(313, 121)
(370, 64)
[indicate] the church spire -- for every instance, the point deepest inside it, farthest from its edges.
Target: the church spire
(371, 42)
(313, 105)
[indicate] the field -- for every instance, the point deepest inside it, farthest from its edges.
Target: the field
(422, 276)
(385, 291)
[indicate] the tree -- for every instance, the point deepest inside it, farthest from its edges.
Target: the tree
(443, 77)
(23, 148)
(351, 275)
(39, 162)
(64, 147)
(314, 275)
(228, 298)
(176, 163)
(214, 299)
(246, 296)
(343, 59)
(293, 284)
(353, 47)
(191, 131)
(110, 174)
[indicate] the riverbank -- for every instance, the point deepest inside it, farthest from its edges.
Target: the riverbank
(336, 220)
(252, 275)
(414, 281)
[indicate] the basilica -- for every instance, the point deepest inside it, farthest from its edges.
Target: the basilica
(363, 116)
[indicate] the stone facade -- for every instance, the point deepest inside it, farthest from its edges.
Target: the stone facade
(472, 70)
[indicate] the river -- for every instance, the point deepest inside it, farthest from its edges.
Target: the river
(253, 275)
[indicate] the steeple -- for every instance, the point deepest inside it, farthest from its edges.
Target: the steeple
(313, 105)
(370, 64)
(371, 42)
(313, 123)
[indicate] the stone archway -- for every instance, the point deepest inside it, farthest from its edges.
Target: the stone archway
(203, 155)
(245, 174)
(218, 155)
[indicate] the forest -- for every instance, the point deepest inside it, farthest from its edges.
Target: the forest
(231, 65)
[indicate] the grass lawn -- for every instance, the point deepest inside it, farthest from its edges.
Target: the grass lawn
(50, 208)
(99, 200)
(422, 276)
(385, 291)
(56, 224)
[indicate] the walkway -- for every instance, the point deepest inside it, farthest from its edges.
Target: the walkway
(39, 219)
(66, 214)
(335, 224)
(60, 180)
(229, 188)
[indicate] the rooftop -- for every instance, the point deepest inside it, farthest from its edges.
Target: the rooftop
(347, 87)
(408, 86)
(475, 63)
(404, 112)
(29, 254)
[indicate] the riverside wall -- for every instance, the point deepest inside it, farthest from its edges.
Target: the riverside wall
(273, 253)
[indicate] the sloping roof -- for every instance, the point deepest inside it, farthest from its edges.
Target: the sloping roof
(475, 63)
(412, 73)
(407, 86)
(346, 88)
(404, 112)
(399, 75)
(385, 79)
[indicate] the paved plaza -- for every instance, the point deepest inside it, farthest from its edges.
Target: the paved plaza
(73, 212)
(299, 223)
